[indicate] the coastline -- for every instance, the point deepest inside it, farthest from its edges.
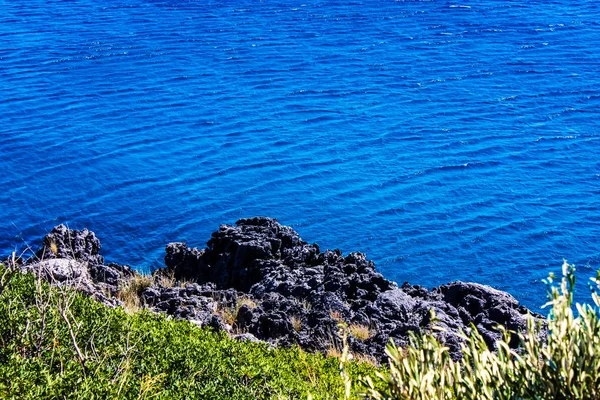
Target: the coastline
(259, 281)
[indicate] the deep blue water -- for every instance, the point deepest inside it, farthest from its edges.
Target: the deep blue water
(446, 139)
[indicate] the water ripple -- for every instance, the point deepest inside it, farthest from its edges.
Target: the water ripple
(446, 140)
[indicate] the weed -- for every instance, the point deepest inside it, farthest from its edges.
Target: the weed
(296, 323)
(565, 365)
(360, 332)
(130, 291)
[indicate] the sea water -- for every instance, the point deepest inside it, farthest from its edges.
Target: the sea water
(446, 139)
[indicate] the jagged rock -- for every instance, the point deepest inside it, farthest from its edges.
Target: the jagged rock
(71, 257)
(110, 274)
(63, 242)
(270, 262)
(73, 273)
(61, 270)
(185, 303)
(246, 337)
(261, 278)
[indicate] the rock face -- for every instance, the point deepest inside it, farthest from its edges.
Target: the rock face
(259, 280)
(71, 257)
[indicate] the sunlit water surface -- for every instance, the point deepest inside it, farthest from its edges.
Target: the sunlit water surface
(446, 140)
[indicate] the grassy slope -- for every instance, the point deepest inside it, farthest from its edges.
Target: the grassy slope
(59, 344)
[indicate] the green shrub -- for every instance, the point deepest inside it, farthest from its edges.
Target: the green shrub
(55, 343)
(564, 364)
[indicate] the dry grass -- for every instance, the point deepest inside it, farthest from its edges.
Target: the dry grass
(129, 293)
(185, 282)
(165, 279)
(229, 315)
(360, 358)
(245, 301)
(333, 351)
(361, 332)
(53, 248)
(337, 316)
(307, 305)
(366, 359)
(297, 323)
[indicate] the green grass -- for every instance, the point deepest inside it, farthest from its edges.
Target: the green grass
(56, 343)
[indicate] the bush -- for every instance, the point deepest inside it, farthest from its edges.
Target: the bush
(561, 361)
(56, 343)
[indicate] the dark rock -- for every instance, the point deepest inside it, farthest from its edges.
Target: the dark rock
(184, 261)
(110, 274)
(63, 242)
(71, 257)
(246, 337)
(260, 257)
(277, 288)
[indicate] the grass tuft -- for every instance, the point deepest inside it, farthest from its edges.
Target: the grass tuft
(129, 293)
(229, 314)
(337, 316)
(296, 323)
(53, 248)
(165, 279)
(361, 332)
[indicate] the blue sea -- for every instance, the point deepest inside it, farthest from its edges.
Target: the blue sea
(446, 139)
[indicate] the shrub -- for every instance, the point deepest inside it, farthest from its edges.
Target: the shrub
(563, 364)
(56, 343)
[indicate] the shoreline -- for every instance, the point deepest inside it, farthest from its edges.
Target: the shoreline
(258, 280)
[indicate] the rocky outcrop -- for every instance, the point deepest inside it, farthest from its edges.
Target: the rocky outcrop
(71, 257)
(259, 280)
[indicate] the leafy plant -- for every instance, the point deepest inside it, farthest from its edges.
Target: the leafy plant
(57, 343)
(561, 361)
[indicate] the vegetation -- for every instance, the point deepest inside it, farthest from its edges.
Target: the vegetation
(361, 332)
(56, 343)
(562, 364)
(129, 293)
(229, 314)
